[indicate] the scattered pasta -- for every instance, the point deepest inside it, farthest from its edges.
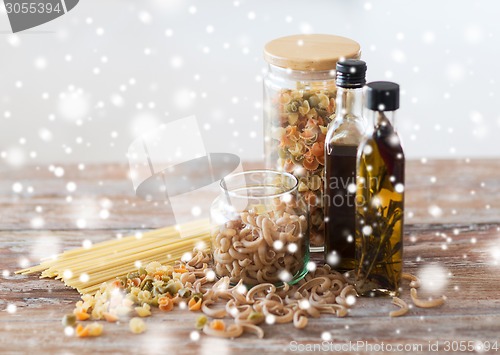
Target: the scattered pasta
(426, 303)
(137, 326)
(233, 331)
(144, 310)
(91, 330)
(189, 283)
(166, 286)
(69, 320)
(200, 322)
(403, 307)
(414, 281)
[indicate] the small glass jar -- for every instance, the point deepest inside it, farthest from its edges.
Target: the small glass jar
(299, 100)
(260, 229)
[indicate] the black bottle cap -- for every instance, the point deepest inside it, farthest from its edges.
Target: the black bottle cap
(351, 73)
(382, 96)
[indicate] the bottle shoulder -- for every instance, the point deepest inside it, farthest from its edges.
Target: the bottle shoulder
(346, 131)
(386, 143)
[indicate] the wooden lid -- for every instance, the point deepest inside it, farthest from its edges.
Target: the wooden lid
(310, 52)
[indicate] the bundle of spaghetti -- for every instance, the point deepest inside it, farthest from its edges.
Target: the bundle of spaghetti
(85, 269)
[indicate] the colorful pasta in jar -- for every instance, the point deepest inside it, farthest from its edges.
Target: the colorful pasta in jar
(299, 100)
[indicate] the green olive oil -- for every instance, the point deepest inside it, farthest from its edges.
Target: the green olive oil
(380, 198)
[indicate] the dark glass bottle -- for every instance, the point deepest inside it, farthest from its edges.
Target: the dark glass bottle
(380, 197)
(341, 146)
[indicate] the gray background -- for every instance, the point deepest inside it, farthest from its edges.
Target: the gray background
(80, 88)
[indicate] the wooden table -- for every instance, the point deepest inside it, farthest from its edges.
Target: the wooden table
(452, 220)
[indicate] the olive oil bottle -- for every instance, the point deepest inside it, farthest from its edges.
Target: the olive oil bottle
(380, 197)
(341, 148)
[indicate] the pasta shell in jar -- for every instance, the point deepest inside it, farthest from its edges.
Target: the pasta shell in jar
(260, 231)
(299, 101)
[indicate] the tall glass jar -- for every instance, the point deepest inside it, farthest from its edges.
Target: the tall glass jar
(259, 229)
(299, 100)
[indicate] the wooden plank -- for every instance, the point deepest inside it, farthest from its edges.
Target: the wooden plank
(461, 192)
(465, 243)
(472, 310)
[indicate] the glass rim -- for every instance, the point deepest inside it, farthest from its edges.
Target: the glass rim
(263, 171)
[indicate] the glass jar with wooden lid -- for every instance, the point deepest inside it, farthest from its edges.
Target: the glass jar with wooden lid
(299, 101)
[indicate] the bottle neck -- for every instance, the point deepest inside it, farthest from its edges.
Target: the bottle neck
(382, 118)
(349, 103)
